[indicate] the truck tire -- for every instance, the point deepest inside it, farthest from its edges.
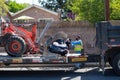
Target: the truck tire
(116, 64)
(15, 46)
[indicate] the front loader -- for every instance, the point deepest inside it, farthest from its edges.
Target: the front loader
(18, 41)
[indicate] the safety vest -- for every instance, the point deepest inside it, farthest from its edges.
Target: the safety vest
(78, 46)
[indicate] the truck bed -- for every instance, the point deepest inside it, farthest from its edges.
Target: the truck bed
(107, 35)
(45, 59)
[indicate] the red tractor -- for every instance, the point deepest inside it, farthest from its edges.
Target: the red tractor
(17, 40)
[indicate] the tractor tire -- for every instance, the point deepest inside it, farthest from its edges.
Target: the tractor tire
(15, 46)
(116, 64)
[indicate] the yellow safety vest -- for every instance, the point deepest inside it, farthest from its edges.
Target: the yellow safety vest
(78, 47)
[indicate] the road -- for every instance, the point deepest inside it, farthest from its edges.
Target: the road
(89, 73)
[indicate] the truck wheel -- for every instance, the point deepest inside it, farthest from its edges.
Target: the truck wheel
(15, 46)
(116, 64)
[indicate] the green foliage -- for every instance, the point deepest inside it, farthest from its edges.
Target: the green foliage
(115, 9)
(14, 6)
(91, 10)
(53, 4)
(3, 7)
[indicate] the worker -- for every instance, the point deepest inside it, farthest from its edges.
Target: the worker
(78, 47)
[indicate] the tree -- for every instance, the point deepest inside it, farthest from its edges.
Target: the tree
(55, 5)
(91, 10)
(115, 9)
(3, 7)
(14, 6)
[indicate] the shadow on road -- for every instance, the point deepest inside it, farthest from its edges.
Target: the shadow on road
(58, 75)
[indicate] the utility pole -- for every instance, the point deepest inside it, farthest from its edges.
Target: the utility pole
(107, 10)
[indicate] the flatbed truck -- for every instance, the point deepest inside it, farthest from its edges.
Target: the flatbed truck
(107, 40)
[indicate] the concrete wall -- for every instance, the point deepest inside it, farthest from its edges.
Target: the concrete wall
(84, 29)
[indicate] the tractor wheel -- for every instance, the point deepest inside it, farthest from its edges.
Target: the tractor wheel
(116, 64)
(15, 46)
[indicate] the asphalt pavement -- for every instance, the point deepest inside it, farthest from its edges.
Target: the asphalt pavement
(88, 73)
